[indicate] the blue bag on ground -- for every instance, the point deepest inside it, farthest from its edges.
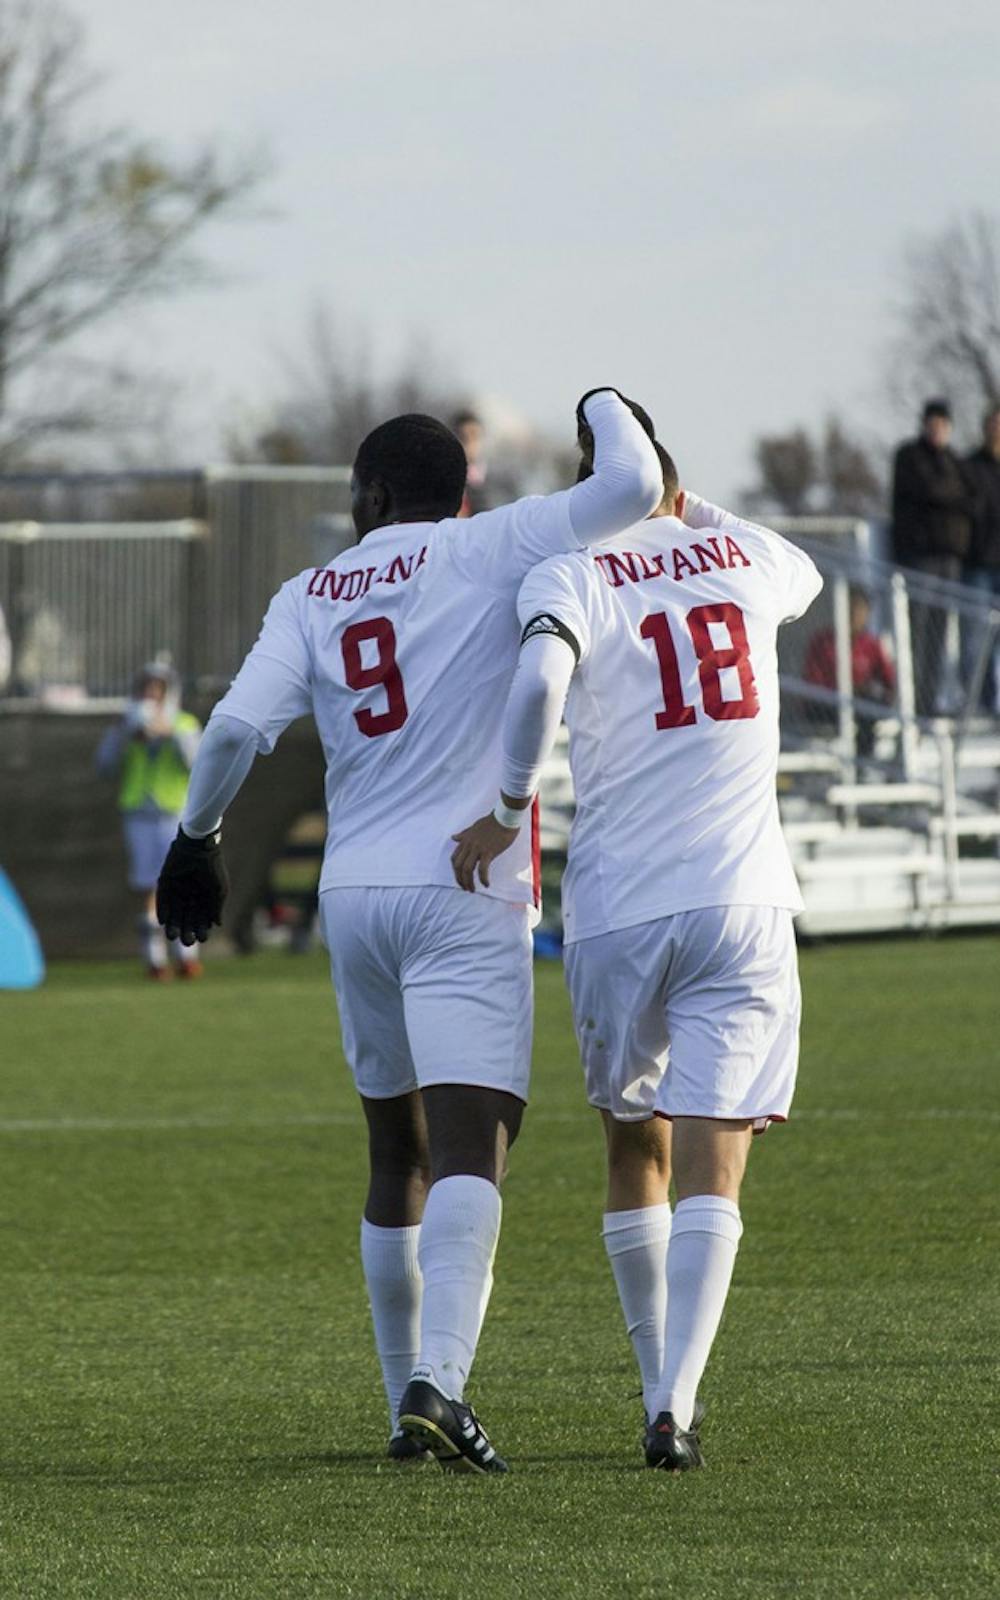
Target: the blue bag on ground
(22, 965)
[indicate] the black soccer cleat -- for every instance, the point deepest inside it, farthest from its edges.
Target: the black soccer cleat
(450, 1430)
(402, 1448)
(671, 1448)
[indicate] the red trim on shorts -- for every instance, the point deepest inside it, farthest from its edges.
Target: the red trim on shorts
(536, 851)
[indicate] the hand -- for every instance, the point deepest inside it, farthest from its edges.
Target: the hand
(192, 887)
(479, 846)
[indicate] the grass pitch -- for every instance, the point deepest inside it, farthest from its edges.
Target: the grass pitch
(191, 1404)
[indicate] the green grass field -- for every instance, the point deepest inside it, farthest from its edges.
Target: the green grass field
(190, 1400)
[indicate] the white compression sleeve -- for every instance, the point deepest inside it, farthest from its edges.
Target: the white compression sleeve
(534, 710)
(627, 483)
(699, 513)
(224, 758)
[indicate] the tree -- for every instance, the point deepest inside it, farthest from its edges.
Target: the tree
(92, 219)
(851, 480)
(948, 318)
(788, 469)
(333, 397)
(834, 474)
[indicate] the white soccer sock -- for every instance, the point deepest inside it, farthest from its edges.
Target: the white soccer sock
(458, 1240)
(392, 1275)
(703, 1242)
(636, 1242)
(152, 944)
(186, 954)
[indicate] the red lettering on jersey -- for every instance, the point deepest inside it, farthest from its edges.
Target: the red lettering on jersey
(617, 568)
(398, 568)
(734, 553)
(654, 568)
(323, 582)
(679, 558)
(709, 552)
(614, 582)
(327, 583)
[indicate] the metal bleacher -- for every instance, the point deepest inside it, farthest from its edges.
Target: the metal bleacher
(903, 832)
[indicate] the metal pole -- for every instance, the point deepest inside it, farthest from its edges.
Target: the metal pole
(949, 809)
(975, 686)
(909, 741)
(847, 727)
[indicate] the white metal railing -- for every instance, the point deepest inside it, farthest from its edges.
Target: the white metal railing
(86, 603)
(942, 638)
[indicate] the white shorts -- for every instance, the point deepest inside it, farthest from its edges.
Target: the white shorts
(695, 1015)
(148, 837)
(434, 986)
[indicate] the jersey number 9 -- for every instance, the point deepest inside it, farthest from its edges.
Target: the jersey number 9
(384, 671)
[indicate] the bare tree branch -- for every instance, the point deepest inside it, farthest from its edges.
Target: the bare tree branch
(333, 397)
(834, 475)
(92, 218)
(947, 318)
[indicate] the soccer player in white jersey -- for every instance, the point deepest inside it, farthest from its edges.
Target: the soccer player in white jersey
(678, 895)
(403, 650)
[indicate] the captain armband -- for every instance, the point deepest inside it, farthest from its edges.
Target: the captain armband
(546, 624)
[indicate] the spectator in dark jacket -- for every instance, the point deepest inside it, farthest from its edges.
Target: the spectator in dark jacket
(932, 506)
(982, 568)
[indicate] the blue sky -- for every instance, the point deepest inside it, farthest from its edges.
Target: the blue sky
(704, 205)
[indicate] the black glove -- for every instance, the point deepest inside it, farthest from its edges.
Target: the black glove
(192, 885)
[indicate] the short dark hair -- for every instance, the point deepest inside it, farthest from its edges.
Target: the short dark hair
(419, 460)
(936, 408)
(671, 481)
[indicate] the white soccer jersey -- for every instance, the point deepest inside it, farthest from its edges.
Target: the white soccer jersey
(403, 649)
(673, 716)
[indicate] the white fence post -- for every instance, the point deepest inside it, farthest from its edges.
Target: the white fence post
(905, 690)
(847, 726)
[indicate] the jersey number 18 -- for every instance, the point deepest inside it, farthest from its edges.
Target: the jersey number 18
(713, 660)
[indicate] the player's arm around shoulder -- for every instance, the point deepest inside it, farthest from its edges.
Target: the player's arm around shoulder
(499, 547)
(553, 625)
(795, 577)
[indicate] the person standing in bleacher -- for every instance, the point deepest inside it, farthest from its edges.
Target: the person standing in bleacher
(982, 569)
(932, 507)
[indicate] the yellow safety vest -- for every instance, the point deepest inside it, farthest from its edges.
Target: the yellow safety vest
(156, 772)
